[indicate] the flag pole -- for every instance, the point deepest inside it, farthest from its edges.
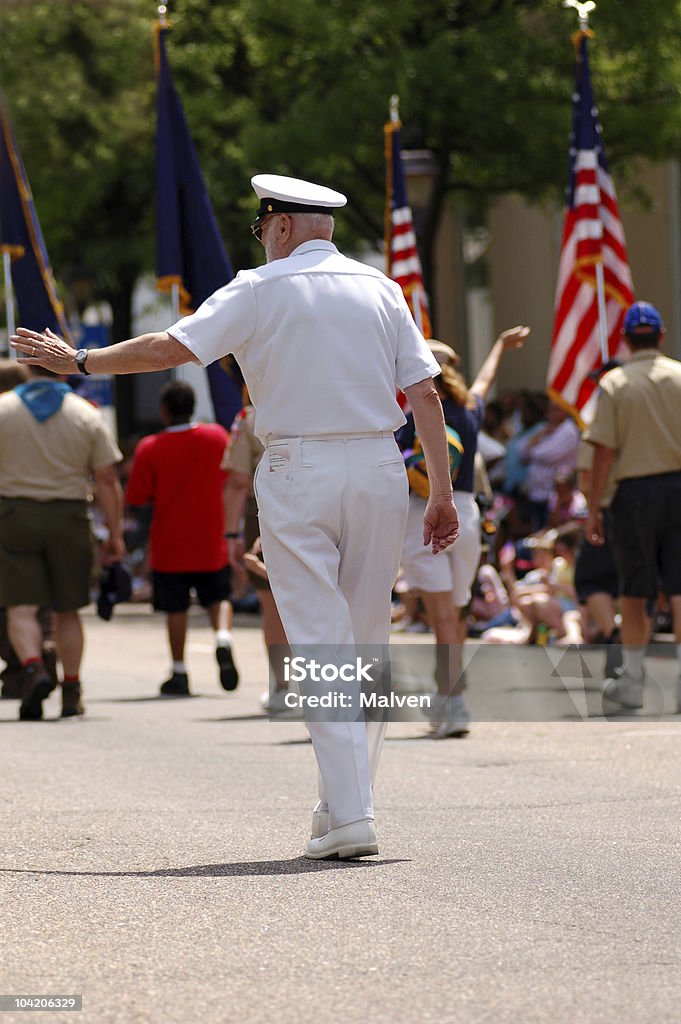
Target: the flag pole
(602, 319)
(174, 288)
(175, 300)
(390, 128)
(583, 12)
(9, 293)
(393, 126)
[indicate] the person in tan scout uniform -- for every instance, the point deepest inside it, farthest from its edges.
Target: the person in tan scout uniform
(51, 440)
(242, 457)
(12, 676)
(637, 433)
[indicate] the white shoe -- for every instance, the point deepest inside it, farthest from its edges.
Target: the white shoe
(434, 711)
(274, 702)
(358, 839)
(320, 823)
(449, 717)
(455, 721)
(624, 690)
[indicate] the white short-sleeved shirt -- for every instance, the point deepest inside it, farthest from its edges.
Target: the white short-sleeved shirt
(322, 342)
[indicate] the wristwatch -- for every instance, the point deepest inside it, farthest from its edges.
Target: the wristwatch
(81, 356)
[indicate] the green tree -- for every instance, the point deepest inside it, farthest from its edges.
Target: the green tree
(79, 83)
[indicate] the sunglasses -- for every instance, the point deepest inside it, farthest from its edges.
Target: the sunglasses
(257, 226)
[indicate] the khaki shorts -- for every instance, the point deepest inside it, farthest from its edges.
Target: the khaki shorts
(46, 553)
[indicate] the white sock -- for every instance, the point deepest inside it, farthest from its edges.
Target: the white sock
(223, 638)
(632, 661)
(179, 666)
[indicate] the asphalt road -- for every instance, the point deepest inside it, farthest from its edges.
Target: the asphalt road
(150, 860)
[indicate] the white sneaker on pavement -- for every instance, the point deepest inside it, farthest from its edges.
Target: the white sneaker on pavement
(624, 689)
(453, 720)
(274, 702)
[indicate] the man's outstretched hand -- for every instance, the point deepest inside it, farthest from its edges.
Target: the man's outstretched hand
(440, 523)
(47, 350)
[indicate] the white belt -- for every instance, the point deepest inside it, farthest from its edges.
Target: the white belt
(370, 435)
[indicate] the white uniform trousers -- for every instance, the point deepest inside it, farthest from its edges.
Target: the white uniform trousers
(332, 515)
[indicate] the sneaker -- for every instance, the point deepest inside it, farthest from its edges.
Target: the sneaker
(71, 703)
(229, 677)
(37, 686)
(450, 718)
(176, 686)
(625, 690)
(274, 703)
(436, 709)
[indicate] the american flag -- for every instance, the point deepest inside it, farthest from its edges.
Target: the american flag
(402, 258)
(592, 236)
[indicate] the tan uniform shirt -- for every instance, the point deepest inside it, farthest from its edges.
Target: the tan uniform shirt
(639, 415)
(52, 460)
(244, 450)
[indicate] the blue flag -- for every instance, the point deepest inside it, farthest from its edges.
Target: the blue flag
(189, 248)
(20, 235)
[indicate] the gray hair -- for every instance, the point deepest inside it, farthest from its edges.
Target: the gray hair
(317, 224)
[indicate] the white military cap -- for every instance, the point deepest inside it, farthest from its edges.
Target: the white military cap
(279, 194)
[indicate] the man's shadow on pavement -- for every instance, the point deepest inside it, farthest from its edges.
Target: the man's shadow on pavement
(296, 866)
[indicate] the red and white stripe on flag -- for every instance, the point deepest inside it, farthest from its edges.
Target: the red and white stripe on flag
(405, 267)
(592, 235)
(403, 264)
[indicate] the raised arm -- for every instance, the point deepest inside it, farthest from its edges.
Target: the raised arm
(512, 338)
(147, 352)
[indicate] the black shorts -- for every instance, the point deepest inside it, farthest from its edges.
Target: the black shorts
(172, 590)
(646, 514)
(595, 569)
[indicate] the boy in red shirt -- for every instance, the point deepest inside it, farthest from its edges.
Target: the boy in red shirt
(180, 472)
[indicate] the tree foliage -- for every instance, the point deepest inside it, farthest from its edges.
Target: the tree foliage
(79, 84)
(303, 89)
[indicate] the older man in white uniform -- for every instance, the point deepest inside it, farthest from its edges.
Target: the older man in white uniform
(322, 341)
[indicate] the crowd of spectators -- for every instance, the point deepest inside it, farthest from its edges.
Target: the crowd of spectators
(532, 514)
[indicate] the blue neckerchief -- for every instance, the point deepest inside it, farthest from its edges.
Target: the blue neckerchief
(43, 397)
